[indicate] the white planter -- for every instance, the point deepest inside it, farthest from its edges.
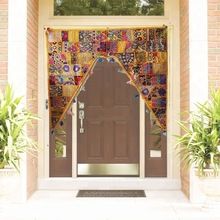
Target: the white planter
(10, 185)
(209, 187)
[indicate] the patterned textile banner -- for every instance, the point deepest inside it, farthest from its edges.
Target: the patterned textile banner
(141, 53)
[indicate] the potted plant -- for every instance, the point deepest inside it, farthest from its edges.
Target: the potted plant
(13, 137)
(199, 146)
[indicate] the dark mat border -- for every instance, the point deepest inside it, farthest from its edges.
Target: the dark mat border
(111, 194)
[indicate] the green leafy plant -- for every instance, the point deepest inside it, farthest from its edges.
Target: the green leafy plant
(13, 137)
(200, 143)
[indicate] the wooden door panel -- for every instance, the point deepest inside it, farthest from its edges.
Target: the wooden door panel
(95, 140)
(108, 140)
(95, 98)
(93, 112)
(111, 118)
(116, 113)
(121, 139)
(121, 91)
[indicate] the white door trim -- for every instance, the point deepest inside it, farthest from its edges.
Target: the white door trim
(142, 138)
(171, 19)
(74, 140)
(198, 66)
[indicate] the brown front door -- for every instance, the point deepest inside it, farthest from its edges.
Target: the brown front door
(108, 123)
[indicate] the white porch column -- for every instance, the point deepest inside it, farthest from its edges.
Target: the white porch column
(17, 66)
(198, 65)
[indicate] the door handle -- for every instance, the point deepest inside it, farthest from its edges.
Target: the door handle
(81, 118)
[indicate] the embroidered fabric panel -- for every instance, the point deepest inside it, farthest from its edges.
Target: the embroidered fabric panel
(141, 53)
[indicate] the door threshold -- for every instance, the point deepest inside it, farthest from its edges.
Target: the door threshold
(59, 183)
(104, 170)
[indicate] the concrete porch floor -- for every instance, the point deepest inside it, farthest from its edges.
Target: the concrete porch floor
(63, 205)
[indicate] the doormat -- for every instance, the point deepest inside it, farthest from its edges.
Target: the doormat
(111, 193)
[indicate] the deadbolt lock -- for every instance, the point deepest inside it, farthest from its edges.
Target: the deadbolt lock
(81, 105)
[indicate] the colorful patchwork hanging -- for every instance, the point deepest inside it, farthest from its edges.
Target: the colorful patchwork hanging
(141, 52)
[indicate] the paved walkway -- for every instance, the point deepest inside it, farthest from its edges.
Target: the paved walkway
(63, 205)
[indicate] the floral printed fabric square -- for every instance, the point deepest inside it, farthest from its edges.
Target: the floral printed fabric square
(141, 52)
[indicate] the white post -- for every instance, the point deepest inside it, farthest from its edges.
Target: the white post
(142, 139)
(198, 59)
(17, 66)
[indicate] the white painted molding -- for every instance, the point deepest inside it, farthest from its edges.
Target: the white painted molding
(198, 65)
(17, 45)
(74, 139)
(142, 152)
(17, 66)
(198, 51)
(47, 20)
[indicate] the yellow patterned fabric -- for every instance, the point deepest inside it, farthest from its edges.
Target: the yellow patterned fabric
(141, 52)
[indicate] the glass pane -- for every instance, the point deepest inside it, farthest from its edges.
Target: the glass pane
(156, 139)
(155, 133)
(108, 7)
(60, 141)
(60, 146)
